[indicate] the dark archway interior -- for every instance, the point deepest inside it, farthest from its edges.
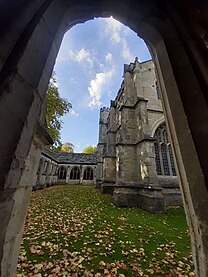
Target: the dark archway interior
(31, 33)
(62, 173)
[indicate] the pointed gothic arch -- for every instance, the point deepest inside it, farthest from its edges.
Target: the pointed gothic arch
(62, 173)
(88, 174)
(75, 173)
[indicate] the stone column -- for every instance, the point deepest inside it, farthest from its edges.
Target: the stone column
(101, 147)
(109, 160)
(14, 203)
(67, 174)
(82, 169)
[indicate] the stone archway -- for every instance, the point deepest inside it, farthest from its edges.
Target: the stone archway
(32, 32)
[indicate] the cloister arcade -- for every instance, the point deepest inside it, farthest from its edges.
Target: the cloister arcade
(74, 168)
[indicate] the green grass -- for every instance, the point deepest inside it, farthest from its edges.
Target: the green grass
(76, 231)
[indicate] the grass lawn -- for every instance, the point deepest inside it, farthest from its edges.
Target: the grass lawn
(76, 231)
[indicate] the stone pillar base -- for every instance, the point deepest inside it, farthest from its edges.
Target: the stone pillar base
(107, 188)
(98, 184)
(146, 198)
(172, 197)
(39, 187)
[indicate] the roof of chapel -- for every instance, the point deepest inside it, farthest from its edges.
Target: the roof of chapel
(70, 158)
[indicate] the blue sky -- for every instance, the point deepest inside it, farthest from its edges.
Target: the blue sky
(89, 70)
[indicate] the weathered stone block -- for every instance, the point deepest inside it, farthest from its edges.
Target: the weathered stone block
(125, 197)
(147, 199)
(172, 197)
(107, 188)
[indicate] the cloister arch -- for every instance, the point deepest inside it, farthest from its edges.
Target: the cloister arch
(88, 174)
(75, 173)
(62, 173)
(31, 34)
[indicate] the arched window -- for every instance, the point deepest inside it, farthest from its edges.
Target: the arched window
(163, 153)
(62, 173)
(75, 173)
(171, 160)
(88, 174)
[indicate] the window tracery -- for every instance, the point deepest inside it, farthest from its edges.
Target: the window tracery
(88, 174)
(75, 173)
(163, 153)
(62, 173)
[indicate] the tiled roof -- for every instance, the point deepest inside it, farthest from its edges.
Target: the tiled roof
(75, 158)
(50, 154)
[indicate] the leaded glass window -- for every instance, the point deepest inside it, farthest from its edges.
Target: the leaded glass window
(163, 154)
(165, 159)
(172, 160)
(157, 159)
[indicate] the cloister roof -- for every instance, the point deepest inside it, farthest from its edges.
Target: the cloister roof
(74, 158)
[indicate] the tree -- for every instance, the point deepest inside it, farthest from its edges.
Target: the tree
(56, 108)
(90, 150)
(67, 147)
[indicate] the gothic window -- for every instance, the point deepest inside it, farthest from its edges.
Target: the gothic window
(163, 153)
(75, 173)
(88, 174)
(62, 173)
(165, 159)
(157, 159)
(171, 160)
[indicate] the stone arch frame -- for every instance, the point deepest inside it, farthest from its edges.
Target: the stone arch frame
(33, 35)
(88, 173)
(156, 125)
(75, 172)
(62, 173)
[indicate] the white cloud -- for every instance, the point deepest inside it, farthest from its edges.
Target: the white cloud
(108, 57)
(73, 113)
(80, 56)
(96, 87)
(117, 33)
(83, 55)
(113, 27)
(126, 53)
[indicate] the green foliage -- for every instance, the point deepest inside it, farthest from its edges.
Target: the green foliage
(56, 108)
(90, 150)
(67, 147)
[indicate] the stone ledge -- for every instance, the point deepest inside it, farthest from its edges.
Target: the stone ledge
(150, 200)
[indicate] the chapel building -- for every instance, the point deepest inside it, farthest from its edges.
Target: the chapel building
(135, 162)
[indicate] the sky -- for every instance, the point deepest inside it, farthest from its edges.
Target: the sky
(89, 70)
